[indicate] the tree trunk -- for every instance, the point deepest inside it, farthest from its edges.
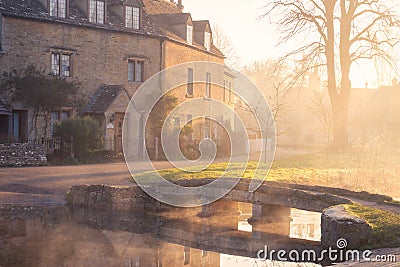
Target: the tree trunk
(341, 105)
(340, 113)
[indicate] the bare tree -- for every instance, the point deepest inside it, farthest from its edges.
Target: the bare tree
(270, 78)
(223, 43)
(335, 34)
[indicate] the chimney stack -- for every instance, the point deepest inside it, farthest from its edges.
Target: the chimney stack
(180, 4)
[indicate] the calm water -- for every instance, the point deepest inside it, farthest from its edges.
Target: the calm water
(62, 236)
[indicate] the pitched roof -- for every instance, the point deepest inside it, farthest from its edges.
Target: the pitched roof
(151, 26)
(153, 7)
(33, 9)
(103, 98)
(3, 109)
(172, 19)
(167, 21)
(201, 24)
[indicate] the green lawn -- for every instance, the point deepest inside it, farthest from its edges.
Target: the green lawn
(385, 226)
(350, 171)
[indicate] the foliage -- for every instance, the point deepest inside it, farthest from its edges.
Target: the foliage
(84, 132)
(160, 112)
(334, 35)
(40, 91)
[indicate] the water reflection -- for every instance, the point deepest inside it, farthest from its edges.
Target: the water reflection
(65, 236)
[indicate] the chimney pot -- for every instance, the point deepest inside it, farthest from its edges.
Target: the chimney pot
(180, 4)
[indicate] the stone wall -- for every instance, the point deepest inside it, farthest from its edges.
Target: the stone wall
(22, 155)
(337, 224)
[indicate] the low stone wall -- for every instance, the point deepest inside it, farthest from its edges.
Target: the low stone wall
(337, 223)
(22, 155)
(106, 197)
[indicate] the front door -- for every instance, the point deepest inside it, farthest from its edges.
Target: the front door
(119, 120)
(20, 125)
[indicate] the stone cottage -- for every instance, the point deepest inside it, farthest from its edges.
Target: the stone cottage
(109, 46)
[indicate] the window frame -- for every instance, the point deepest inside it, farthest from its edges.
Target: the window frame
(59, 118)
(136, 73)
(134, 22)
(58, 8)
(190, 82)
(60, 71)
(95, 12)
(207, 41)
(208, 85)
(189, 34)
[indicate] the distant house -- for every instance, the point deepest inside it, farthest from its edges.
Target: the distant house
(374, 114)
(110, 46)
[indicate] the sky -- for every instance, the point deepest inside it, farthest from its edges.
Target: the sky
(255, 38)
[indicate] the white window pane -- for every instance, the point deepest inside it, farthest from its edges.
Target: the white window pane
(190, 82)
(207, 41)
(62, 6)
(208, 84)
(128, 17)
(100, 12)
(53, 120)
(92, 11)
(136, 18)
(55, 64)
(53, 7)
(131, 71)
(65, 66)
(190, 34)
(139, 72)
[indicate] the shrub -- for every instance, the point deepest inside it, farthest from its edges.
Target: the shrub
(84, 133)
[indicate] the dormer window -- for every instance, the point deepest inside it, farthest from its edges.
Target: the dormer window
(97, 11)
(189, 34)
(132, 17)
(207, 41)
(58, 8)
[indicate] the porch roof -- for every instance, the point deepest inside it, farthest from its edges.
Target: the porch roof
(103, 98)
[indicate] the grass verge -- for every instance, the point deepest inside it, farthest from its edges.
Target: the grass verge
(385, 226)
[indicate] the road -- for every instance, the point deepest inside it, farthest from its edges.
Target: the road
(49, 184)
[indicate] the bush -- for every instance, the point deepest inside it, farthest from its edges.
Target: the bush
(84, 133)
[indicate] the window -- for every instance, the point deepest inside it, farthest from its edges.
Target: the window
(58, 8)
(208, 84)
(132, 17)
(190, 119)
(189, 89)
(186, 256)
(207, 127)
(55, 117)
(97, 11)
(207, 41)
(61, 64)
(177, 122)
(189, 34)
(135, 71)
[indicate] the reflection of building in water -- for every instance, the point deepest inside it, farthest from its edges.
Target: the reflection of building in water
(36, 242)
(81, 237)
(305, 224)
